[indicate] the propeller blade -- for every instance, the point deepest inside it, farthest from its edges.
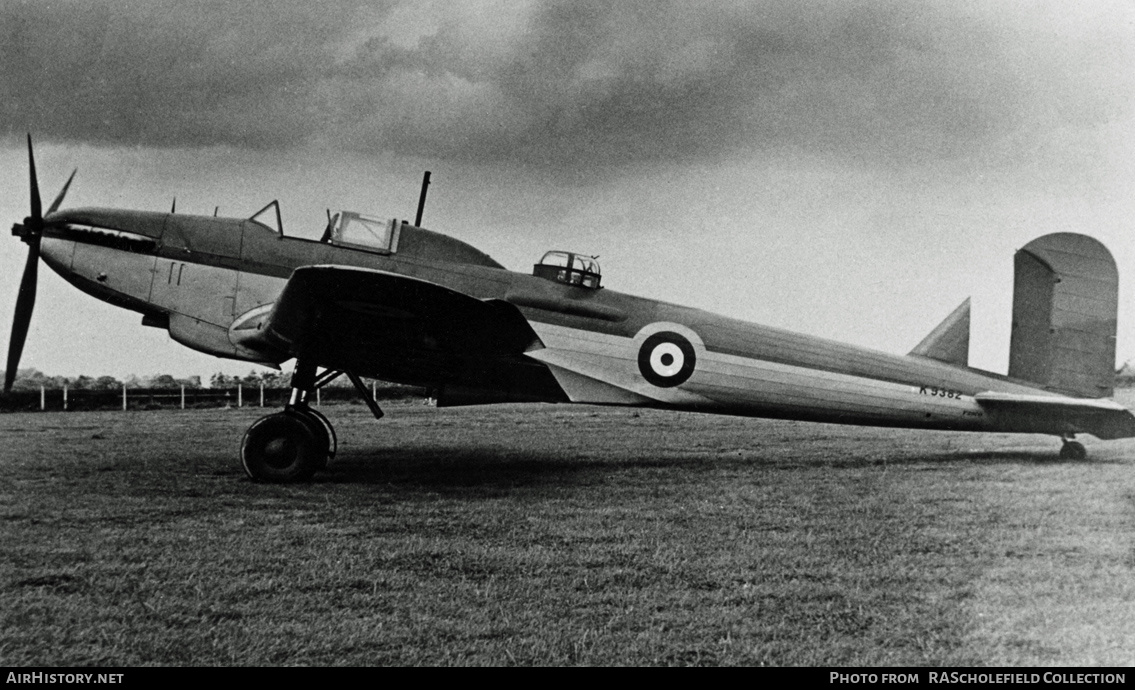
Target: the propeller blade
(25, 303)
(37, 207)
(62, 193)
(32, 233)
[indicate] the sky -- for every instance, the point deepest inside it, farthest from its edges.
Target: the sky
(851, 170)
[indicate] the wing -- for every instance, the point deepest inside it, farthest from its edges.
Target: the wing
(395, 327)
(1103, 418)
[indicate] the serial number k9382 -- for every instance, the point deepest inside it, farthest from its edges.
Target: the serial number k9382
(939, 392)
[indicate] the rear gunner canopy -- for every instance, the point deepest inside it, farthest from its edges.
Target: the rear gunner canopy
(569, 268)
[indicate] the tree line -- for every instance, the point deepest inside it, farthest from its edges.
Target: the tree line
(33, 379)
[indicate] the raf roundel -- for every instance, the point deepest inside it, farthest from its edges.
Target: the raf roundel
(666, 359)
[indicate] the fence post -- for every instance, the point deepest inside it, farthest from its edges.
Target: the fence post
(124, 397)
(373, 385)
(42, 400)
(65, 397)
(317, 403)
(262, 394)
(239, 395)
(183, 396)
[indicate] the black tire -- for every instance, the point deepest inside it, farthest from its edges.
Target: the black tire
(328, 443)
(282, 448)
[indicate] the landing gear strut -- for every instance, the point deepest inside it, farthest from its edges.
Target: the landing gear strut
(293, 445)
(1072, 449)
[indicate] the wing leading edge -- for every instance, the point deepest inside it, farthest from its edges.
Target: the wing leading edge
(408, 330)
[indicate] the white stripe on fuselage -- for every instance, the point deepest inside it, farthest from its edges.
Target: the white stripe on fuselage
(743, 385)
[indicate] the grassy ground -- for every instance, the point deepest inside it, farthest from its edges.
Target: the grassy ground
(560, 535)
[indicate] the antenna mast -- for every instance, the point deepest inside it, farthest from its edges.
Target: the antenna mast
(422, 198)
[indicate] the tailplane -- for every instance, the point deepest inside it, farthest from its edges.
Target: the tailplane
(1065, 300)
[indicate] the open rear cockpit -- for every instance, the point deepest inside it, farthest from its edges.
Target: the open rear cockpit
(570, 268)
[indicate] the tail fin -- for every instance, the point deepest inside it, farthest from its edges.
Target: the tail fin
(949, 341)
(1065, 300)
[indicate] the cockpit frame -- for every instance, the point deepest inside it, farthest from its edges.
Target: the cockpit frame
(344, 229)
(361, 231)
(570, 268)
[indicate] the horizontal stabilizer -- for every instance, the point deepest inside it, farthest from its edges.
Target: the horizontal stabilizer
(1100, 417)
(949, 341)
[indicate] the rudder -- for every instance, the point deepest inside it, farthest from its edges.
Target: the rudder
(1065, 301)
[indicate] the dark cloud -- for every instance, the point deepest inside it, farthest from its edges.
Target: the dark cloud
(583, 85)
(166, 73)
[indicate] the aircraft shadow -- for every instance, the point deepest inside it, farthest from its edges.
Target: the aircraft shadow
(469, 467)
(442, 466)
(1001, 457)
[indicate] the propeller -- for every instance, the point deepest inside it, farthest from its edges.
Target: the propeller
(30, 231)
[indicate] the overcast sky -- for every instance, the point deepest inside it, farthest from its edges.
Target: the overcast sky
(848, 169)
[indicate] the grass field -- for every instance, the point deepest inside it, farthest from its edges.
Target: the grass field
(560, 535)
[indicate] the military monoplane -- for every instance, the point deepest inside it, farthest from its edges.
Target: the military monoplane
(386, 299)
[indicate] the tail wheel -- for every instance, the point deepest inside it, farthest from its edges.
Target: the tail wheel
(283, 447)
(1073, 450)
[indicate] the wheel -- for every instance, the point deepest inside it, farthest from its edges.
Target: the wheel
(1073, 450)
(283, 447)
(319, 430)
(328, 442)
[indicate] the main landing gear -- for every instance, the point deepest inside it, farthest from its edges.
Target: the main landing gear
(1072, 449)
(293, 445)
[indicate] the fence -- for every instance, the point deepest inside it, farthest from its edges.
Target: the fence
(64, 399)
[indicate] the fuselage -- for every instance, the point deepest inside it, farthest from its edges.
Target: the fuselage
(212, 283)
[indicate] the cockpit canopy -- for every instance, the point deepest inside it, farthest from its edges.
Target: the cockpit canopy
(348, 229)
(380, 236)
(569, 268)
(364, 232)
